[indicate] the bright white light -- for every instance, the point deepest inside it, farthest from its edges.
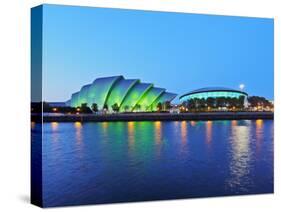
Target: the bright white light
(241, 86)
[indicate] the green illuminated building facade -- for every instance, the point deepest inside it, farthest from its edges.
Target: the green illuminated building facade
(128, 94)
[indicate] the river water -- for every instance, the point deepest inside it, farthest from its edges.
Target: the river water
(86, 163)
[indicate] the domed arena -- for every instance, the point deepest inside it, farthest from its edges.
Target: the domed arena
(214, 92)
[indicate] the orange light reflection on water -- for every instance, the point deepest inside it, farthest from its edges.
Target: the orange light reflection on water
(131, 132)
(78, 124)
(259, 123)
(209, 125)
(259, 133)
(78, 132)
(33, 125)
(55, 135)
(233, 123)
(193, 123)
(184, 132)
(104, 127)
(158, 131)
(54, 126)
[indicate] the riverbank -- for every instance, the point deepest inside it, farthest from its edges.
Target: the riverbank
(153, 117)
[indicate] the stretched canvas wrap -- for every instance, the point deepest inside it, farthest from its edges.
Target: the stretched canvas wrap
(131, 105)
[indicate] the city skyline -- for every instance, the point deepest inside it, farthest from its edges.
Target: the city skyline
(178, 51)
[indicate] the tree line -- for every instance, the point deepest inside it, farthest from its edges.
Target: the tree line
(198, 104)
(195, 104)
(256, 101)
(116, 108)
(84, 108)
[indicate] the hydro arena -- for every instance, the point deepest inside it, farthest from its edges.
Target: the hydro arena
(214, 92)
(128, 94)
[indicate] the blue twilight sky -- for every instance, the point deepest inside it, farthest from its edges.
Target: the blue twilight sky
(176, 51)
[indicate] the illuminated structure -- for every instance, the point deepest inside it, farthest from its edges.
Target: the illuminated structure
(214, 92)
(128, 94)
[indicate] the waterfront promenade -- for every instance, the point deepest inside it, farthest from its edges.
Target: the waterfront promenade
(153, 116)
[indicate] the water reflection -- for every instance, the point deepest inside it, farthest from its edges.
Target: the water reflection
(33, 125)
(79, 140)
(234, 123)
(104, 127)
(78, 132)
(209, 131)
(148, 157)
(259, 134)
(259, 130)
(158, 132)
(54, 145)
(183, 132)
(193, 123)
(158, 138)
(131, 134)
(240, 155)
(54, 126)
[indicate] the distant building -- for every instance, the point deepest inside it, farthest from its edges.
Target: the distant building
(56, 104)
(128, 94)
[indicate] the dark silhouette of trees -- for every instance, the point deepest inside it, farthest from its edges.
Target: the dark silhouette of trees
(256, 101)
(221, 101)
(85, 109)
(167, 105)
(190, 104)
(115, 107)
(202, 104)
(196, 104)
(240, 102)
(126, 108)
(137, 107)
(211, 102)
(95, 107)
(149, 108)
(105, 107)
(159, 106)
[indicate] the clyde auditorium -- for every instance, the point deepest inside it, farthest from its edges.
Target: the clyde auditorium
(128, 94)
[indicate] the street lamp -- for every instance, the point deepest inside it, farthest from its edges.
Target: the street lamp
(78, 110)
(241, 86)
